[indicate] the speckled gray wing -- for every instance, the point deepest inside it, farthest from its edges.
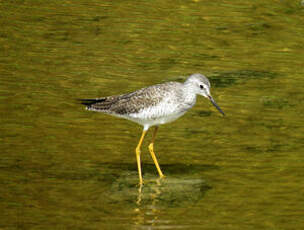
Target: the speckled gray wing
(132, 102)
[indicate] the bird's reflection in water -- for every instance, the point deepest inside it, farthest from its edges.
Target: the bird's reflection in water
(149, 204)
(148, 213)
(155, 196)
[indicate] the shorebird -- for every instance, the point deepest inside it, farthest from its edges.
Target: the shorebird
(153, 106)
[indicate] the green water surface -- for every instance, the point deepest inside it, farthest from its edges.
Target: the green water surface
(62, 167)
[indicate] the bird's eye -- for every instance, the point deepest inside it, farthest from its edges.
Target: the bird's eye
(201, 86)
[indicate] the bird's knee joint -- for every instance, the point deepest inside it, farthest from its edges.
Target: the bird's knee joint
(150, 147)
(137, 151)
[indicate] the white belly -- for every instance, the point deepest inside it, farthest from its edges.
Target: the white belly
(158, 115)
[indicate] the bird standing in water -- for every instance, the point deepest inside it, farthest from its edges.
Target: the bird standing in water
(154, 106)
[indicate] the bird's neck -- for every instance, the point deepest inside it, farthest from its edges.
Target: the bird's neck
(189, 94)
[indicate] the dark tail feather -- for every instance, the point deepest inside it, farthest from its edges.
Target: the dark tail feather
(89, 102)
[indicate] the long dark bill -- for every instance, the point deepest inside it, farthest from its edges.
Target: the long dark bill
(216, 106)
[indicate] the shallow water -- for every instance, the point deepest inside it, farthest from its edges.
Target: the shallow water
(63, 167)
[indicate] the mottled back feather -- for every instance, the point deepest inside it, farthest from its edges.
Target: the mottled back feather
(131, 102)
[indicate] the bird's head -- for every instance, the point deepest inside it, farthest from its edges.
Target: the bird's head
(201, 85)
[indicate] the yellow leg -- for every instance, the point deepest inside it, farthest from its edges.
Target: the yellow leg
(151, 149)
(137, 150)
